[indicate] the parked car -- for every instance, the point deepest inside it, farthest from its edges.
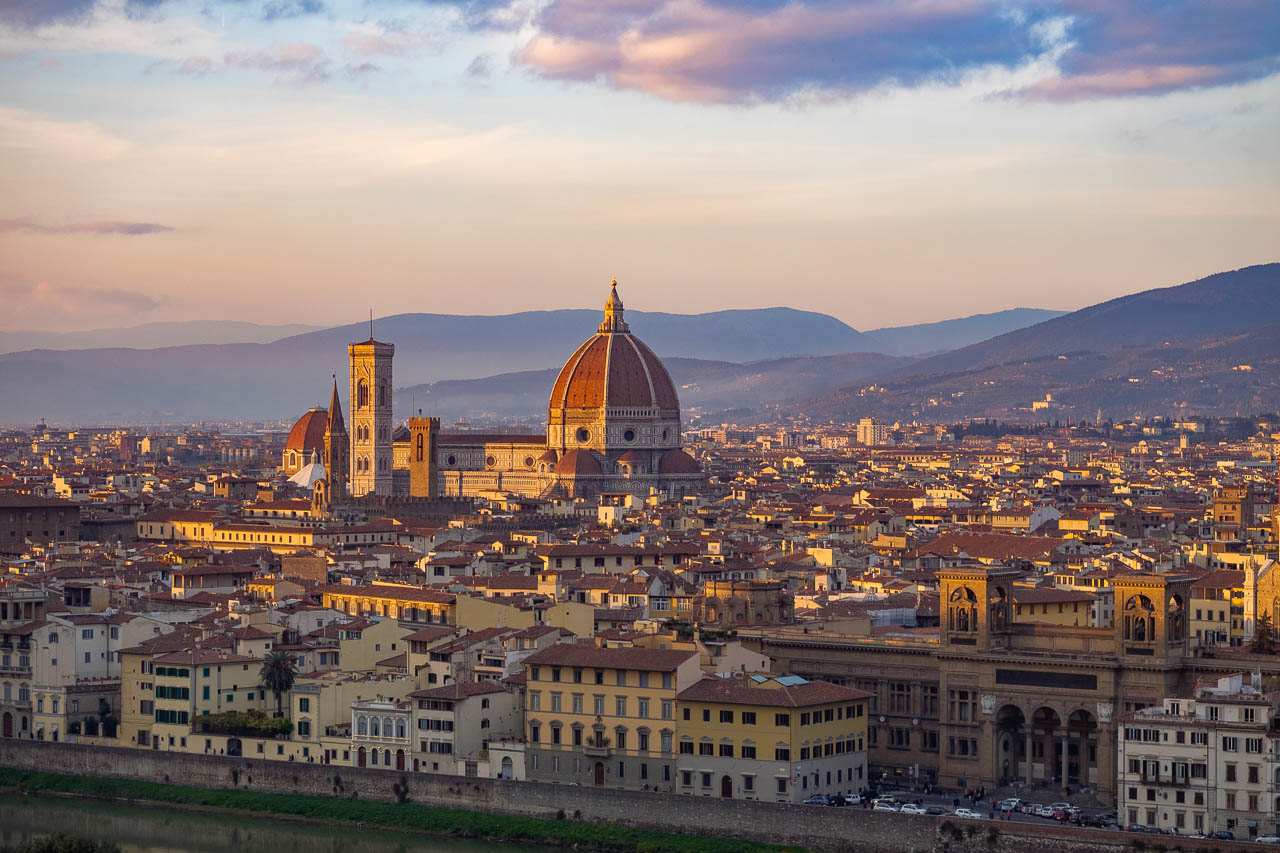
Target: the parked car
(935, 810)
(1010, 804)
(1137, 827)
(1223, 835)
(1065, 807)
(837, 800)
(1268, 839)
(885, 806)
(1097, 820)
(912, 808)
(969, 813)
(817, 800)
(852, 799)
(1043, 810)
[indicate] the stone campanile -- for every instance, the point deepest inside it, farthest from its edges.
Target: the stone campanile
(371, 445)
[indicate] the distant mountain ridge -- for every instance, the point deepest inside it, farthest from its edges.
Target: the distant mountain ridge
(153, 336)
(276, 379)
(1210, 346)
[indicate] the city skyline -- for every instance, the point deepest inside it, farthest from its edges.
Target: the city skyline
(301, 162)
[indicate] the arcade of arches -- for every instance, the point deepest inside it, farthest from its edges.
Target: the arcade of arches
(986, 701)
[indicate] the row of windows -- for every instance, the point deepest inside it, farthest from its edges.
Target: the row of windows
(577, 674)
(176, 717)
(598, 737)
(621, 704)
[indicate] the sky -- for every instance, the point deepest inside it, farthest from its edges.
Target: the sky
(885, 161)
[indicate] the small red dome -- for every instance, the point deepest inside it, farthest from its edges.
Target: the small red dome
(308, 433)
(631, 457)
(678, 462)
(578, 463)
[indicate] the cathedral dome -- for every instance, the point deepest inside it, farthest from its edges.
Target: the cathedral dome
(678, 462)
(308, 433)
(578, 463)
(614, 369)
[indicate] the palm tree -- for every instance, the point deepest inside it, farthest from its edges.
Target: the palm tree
(277, 674)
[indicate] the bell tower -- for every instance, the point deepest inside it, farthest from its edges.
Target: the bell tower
(977, 607)
(423, 474)
(335, 448)
(371, 444)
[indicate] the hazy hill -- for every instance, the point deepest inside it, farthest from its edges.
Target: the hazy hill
(929, 338)
(1207, 347)
(704, 386)
(1210, 307)
(276, 379)
(152, 336)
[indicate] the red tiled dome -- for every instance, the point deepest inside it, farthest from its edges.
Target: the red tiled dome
(678, 462)
(308, 433)
(613, 368)
(631, 457)
(578, 463)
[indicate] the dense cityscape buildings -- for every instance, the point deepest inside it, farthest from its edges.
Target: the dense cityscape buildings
(1080, 615)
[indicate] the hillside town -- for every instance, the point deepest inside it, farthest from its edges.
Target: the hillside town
(1073, 622)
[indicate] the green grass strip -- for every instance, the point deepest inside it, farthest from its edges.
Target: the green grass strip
(410, 816)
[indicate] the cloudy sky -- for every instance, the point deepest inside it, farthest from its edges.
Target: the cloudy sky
(885, 161)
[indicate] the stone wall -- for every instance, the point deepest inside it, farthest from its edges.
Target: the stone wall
(854, 830)
(840, 830)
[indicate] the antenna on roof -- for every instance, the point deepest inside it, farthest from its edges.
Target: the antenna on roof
(370, 324)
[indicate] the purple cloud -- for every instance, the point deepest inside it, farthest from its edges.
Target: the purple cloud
(37, 13)
(751, 50)
(101, 226)
(298, 61)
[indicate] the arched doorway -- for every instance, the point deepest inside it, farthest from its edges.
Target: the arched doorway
(1082, 748)
(234, 746)
(1048, 744)
(360, 757)
(8, 724)
(599, 772)
(1013, 756)
(508, 769)
(399, 759)
(726, 787)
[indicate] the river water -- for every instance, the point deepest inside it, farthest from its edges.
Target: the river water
(153, 829)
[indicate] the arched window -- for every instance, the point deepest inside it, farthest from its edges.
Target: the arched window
(362, 395)
(963, 610)
(1139, 619)
(362, 725)
(382, 394)
(387, 728)
(375, 727)
(420, 447)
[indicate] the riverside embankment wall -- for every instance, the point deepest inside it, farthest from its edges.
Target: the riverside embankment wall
(848, 829)
(839, 830)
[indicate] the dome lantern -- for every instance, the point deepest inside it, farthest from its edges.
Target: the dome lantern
(613, 321)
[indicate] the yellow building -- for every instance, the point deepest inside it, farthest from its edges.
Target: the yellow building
(198, 682)
(406, 603)
(778, 739)
(605, 717)
(1068, 607)
(1217, 608)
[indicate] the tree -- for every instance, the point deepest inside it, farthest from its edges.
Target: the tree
(1264, 635)
(277, 674)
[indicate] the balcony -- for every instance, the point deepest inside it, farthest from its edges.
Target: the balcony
(596, 747)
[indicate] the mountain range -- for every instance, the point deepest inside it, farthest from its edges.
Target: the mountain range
(153, 335)
(253, 381)
(1208, 347)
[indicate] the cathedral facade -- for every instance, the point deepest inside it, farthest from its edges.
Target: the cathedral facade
(613, 427)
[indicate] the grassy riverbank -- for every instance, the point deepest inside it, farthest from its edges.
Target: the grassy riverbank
(406, 816)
